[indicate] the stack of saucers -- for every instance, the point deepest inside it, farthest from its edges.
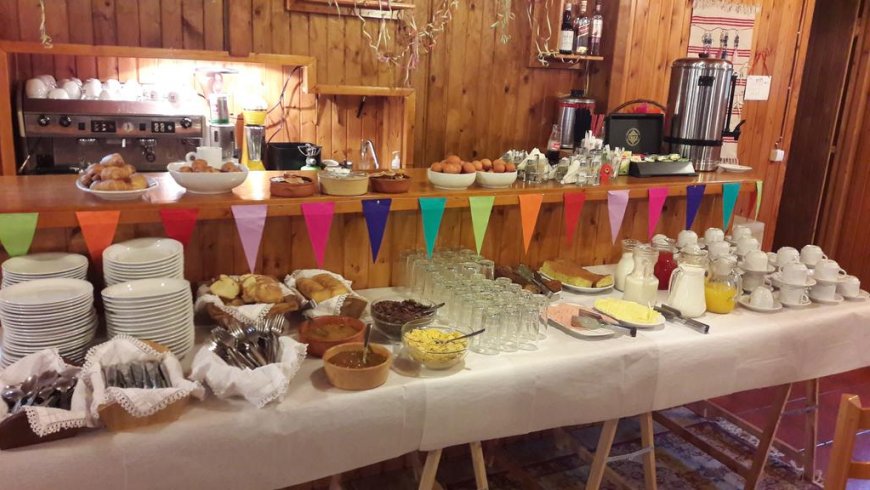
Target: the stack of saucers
(152, 309)
(143, 258)
(44, 266)
(46, 313)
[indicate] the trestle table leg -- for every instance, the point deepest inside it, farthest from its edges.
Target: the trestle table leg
(599, 462)
(766, 439)
(479, 464)
(430, 469)
(647, 438)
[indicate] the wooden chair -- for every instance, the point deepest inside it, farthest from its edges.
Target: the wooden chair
(850, 419)
(602, 453)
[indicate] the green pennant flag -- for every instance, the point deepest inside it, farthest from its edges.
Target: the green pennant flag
(759, 187)
(16, 232)
(432, 209)
(481, 208)
(729, 199)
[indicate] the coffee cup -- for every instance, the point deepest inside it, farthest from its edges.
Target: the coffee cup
(35, 88)
(755, 260)
(761, 297)
(812, 254)
(713, 235)
(849, 286)
(755, 280)
(823, 291)
(48, 80)
(92, 88)
(211, 154)
(718, 249)
(687, 237)
(793, 295)
(828, 270)
(787, 255)
(795, 274)
(746, 245)
(740, 231)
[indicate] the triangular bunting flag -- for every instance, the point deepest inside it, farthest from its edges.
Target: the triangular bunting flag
(376, 212)
(98, 229)
(250, 222)
(178, 223)
(729, 199)
(16, 232)
(530, 206)
(694, 194)
(573, 207)
(318, 220)
(657, 196)
(617, 201)
(432, 209)
(481, 208)
(759, 188)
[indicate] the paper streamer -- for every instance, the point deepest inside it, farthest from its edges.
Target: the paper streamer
(573, 207)
(16, 232)
(657, 196)
(481, 208)
(98, 230)
(617, 201)
(318, 220)
(178, 223)
(376, 212)
(530, 207)
(250, 222)
(432, 210)
(759, 188)
(729, 199)
(694, 195)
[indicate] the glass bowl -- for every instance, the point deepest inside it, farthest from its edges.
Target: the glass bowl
(421, 341)
(392, 327)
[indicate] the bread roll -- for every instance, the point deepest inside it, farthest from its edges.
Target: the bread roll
(225, 287)
(113, 160)
(111, 185)
(117, 172)
(230, 167)
(138, 181)
(313, 290)
(199, 165)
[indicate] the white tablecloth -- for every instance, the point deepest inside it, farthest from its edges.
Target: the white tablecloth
(318, 430)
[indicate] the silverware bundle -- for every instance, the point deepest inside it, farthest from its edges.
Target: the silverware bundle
(49, 389)
(249, 346)
(147, 374)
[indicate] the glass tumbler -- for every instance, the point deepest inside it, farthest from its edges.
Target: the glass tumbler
(488, 341)
(508, 339)
(487, 267)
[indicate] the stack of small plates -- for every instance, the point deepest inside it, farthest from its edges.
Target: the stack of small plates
(46, 313)
(152, 309)
(44, 266)
(143, 258)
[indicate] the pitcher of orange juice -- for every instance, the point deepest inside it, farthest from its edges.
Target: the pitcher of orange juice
(723, 285)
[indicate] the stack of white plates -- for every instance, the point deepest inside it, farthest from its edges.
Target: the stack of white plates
(143, 258)
(44, 266)
(46, 313)
(152, 309)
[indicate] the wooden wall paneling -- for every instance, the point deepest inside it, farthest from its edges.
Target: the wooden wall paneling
(280, 23)
(150, 18)
(420, 82)
(127, 18)
(171, 23)
(318, 46)
(453, 92)
(436, 102)
(261, 26)
(9, 19)
(213, 25)
(335, 44)
(357, 257)
(402, 235)
(239, 24)
(57, 26)
(28, 27)
(7, 141)
(193, 24)
(105, 32)
(468, 108)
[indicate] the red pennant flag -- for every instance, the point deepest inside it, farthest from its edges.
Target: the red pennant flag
(178, 223)
(657, 196)
(573, 207)
(530, 206)
(98, 229)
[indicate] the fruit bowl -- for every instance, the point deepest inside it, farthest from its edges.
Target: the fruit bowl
(492, 180)
(455, 182)
(207, 183)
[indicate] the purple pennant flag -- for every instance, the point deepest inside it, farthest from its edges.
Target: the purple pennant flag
(617, 201)
(318, 220)
(376, 212)
(694, 194)
(250, 221)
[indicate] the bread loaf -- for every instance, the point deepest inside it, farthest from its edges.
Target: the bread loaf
(570, 273)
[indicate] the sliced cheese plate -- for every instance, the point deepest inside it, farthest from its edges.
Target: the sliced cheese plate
(622, 311)
(561, 316)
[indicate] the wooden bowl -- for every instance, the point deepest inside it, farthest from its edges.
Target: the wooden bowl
(317, 346)
(280, 188)
(390, 186)
(361, 378)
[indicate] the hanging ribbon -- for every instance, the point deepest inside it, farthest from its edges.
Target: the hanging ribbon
(250, 222)
(178, 223)
(657, 196)
(432, 210)
(617, 201)
(530, 207)
(573, 202)
(318, 221)
(376, 212)
(481, 209)
(694, 195)
(98, 230)
(16, 232)
(729, 199)
(759, 188)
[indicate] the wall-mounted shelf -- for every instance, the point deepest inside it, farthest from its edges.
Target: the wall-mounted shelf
(573, 57)
(366, 8)
(362, 90)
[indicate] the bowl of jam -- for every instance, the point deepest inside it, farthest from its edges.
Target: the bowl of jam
(346, 369)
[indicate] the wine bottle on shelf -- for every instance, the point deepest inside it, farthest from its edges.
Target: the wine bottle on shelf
(581, 30)
(597, 27)
(566, 33)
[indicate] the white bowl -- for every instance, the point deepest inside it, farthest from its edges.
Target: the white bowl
(204, 183)
(492, 180)
(450, 181)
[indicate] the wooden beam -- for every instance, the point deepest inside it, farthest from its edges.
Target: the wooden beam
(7, 138)
(361, 90)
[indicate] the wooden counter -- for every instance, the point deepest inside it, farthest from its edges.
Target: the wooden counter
(215, 247)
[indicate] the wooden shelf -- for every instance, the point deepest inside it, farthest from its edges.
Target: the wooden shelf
(362, 90)
(574, 57)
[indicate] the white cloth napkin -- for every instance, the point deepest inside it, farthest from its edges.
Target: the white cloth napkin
(245, 313)
(333, 305)
(43, 420)
(259, 386)
(137, 402)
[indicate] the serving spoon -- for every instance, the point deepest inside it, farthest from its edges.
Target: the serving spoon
(368, 336)
(472, 334)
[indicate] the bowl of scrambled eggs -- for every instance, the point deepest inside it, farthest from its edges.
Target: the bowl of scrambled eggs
(434, 346)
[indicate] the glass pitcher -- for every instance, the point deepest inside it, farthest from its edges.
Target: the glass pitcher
(626, 263)
(641, 285)
(723, 285)
(686, 287)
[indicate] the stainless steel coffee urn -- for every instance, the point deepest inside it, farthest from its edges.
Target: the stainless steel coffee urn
(575, 117)
(700, 100)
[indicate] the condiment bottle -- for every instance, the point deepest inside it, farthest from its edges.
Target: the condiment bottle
(723, 285)
(625, 264)
(641, 285)
(666, 263)
(686, 287)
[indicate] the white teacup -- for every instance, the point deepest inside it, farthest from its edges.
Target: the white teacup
(795, 274)
(92, 88)
(761, 297)
(211, 154)
(713, 235)
(849, 287)
(718, 249)
(823, 291)
(828, 270)
(812, 254)
(755, 280)
(73, 89)
(58, 93)
(793, 295)
(787, 255)
(755, 260)
(746, 245)
(740, 231)
(36, 88)
(48, 80)
(687, 237)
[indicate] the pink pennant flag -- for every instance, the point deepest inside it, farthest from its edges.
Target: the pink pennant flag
(250, 222)
(617, 201)
(318, 220)
(657, 196)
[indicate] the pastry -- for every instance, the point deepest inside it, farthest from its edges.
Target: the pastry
(312, 290)
(110, 185)
(230, 167)
(199, 165)
(225, 287)
(570, 273)
(113, 160)
(138, 181)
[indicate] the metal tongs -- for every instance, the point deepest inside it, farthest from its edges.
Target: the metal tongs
(607, 320)
(672, 314)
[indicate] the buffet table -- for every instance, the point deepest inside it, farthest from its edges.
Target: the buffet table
(318, 430)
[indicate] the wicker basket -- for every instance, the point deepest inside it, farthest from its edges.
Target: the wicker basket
(225, 320)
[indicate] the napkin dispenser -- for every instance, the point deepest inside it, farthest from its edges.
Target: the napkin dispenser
(661, 169)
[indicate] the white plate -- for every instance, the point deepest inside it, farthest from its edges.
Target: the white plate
(862, 296)
(560, 316)
(660, 320)
(837, 300)
(770, 269)
(166, 323)
(792, 305)
(46, 292)
(44, 264)
(776, 277)
(578, 289)
(145, 289)
(119, 195)
(744, 302)
(730, 167)
(142, 252)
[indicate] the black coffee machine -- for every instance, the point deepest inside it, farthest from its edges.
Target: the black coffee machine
(291, 156)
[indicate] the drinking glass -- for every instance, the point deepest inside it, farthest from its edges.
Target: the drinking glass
(487, 268)
(528, 325)
(490, 319)
(508, 339)
(542, 303)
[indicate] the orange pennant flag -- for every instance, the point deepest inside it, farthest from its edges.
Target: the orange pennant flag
(98, 228)
(530, 206)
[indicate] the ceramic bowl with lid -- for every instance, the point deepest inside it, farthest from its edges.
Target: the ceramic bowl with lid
(344, 184)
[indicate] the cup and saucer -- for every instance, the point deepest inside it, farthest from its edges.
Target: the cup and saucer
(826, 293)
(793, 274)
(793, 296)
(761, 300)
(756, 261)
(828, 271)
